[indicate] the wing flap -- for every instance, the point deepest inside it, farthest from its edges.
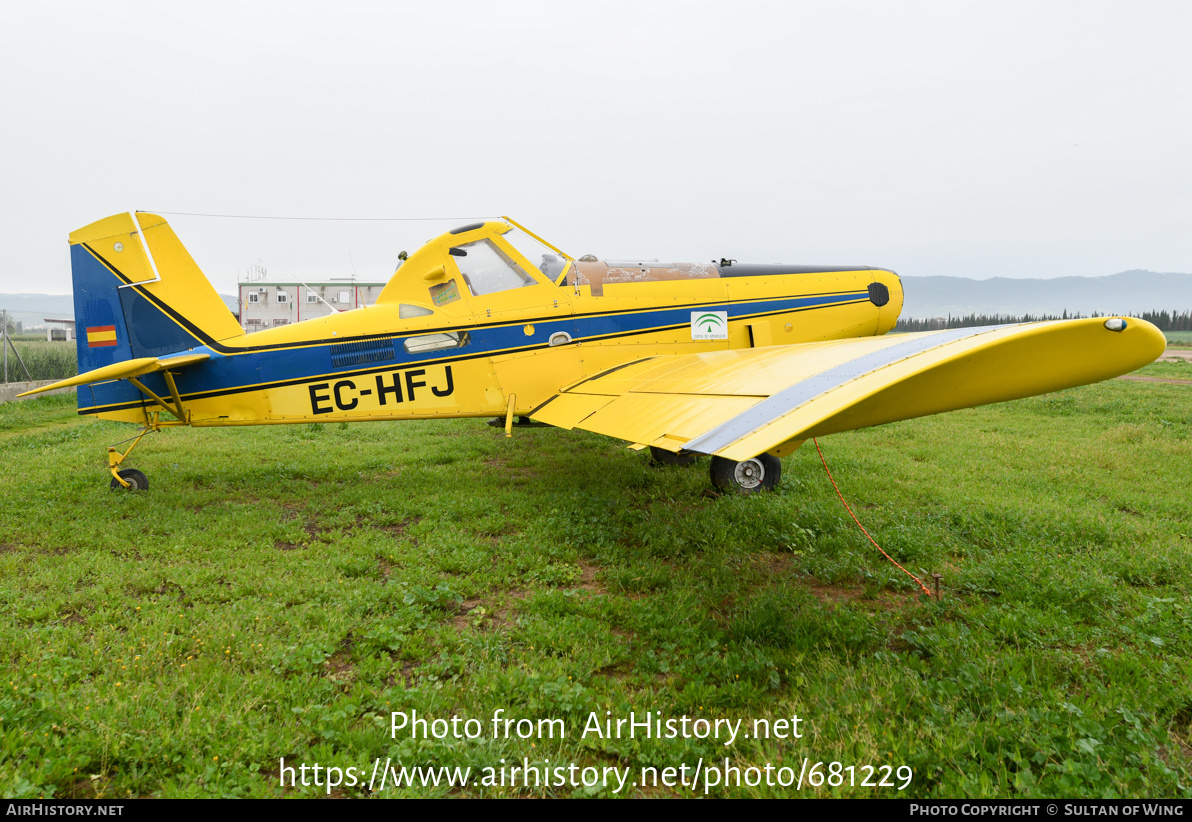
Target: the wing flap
(569, 410)
(650, 418)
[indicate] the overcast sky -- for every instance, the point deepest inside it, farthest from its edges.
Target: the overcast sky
(1020, 139)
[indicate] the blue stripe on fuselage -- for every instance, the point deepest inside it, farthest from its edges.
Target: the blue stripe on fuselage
(229, 373)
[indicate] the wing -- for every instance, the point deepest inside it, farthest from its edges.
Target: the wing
(741, 403)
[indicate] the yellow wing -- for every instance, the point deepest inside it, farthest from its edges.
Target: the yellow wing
(741, 403)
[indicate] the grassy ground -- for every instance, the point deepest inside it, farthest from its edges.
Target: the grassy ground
(1168, 370)
(1181, 338)
(280, 590)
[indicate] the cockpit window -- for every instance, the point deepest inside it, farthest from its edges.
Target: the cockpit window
(548, 261)
(487, 269)
(408, 312)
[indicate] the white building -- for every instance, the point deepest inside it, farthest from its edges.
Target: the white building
(268, 304)
(59, 329)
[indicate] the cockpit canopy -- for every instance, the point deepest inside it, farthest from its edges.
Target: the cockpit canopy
(488, 257)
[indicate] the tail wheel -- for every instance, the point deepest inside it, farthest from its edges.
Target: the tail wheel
(135, 479)
(747, 476)
(664, 457)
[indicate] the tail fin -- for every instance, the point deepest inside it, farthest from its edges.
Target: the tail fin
(138, 293)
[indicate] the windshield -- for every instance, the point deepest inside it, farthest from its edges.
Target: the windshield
(487, 269)
(545, 259)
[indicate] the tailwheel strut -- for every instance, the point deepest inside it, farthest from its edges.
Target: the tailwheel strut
(129, 479)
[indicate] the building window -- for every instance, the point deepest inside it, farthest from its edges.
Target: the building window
(281, 322)
(254, 297)
(312, 297)
(282, 297)
(345, 296)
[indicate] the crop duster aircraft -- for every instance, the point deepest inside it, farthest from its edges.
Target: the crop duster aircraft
(740, 362)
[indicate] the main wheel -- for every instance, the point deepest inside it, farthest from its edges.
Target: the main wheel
(664, 457)
(135, 479)
(747, 476)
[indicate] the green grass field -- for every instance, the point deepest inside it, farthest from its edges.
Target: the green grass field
(1168, 370)
(281, 590)
(1180, 338)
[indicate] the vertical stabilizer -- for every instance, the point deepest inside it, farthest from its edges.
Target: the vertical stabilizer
(138, 293)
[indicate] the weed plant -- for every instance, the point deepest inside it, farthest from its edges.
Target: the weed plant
(45, 360)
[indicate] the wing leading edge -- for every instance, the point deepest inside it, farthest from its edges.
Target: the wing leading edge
(740, 403)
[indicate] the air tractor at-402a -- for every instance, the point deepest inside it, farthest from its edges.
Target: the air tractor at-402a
(739, 362)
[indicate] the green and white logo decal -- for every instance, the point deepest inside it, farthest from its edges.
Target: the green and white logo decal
(709, 325)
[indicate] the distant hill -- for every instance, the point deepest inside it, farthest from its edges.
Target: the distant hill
(47, 305)
(31, 309)
(1125, 293)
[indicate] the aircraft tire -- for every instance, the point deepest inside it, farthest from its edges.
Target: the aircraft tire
(135, 479)
(664, 457)
(748, 476)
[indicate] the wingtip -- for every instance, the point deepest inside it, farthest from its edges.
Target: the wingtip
(1145, 338)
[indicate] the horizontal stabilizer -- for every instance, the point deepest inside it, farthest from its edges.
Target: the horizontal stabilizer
(124, 370)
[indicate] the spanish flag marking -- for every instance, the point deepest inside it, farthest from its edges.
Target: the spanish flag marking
(100, 336)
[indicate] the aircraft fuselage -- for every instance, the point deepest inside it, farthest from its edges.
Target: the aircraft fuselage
(443, 343)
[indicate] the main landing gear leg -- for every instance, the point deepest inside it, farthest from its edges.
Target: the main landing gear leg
(664, 457)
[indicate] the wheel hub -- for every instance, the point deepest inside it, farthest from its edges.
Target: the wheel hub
(749, 473)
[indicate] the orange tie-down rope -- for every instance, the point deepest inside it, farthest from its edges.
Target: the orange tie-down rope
(862, 527)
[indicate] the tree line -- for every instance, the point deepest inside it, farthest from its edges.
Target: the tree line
(1163, 320)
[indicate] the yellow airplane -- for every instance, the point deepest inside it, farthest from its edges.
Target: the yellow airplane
(740, 362)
